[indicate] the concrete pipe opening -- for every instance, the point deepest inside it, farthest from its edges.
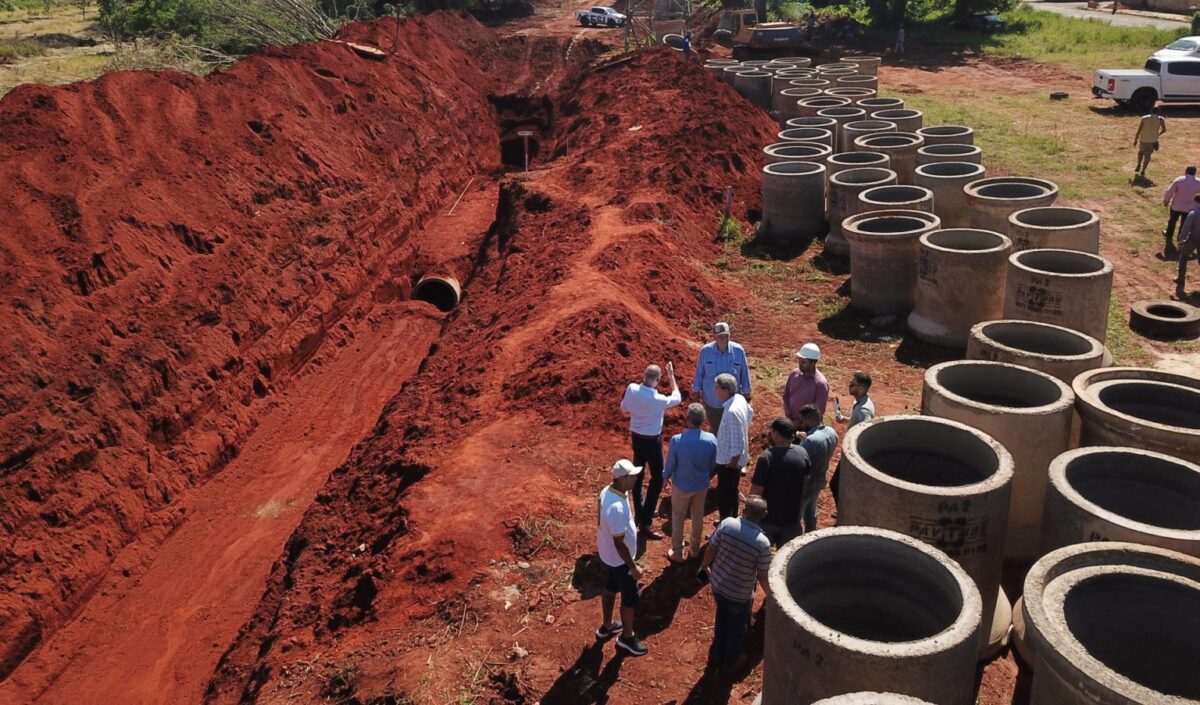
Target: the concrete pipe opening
(793, 168)
(872, 699)
(1057, 227)
(855, 160)
(812, 121)
(1061, 262)
(836, 66)
(442, 291)
(900, 116)
(927, 451)
(1128, 406)
(1123, 494)
(512, 150)
(1007, 190)
(807, 134)
(854, 94)
(818, 83)
(863, 175)
(1166, 404)
(876, 104)
(872, 125)
(842, 114)
(948, 134)
(1039, 339)
(1054, 217)
(966, 240)
(897, 196)
(877, 610)
(999, 385)
(795, 151)
(823, 102)
(892, 226)
(950, 169)
(800, 93)
(888, 140)
(959, 283)
(949, 153)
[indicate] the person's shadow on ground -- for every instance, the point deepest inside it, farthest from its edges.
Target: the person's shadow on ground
(714, 688)
(584, 681)
(660, 599)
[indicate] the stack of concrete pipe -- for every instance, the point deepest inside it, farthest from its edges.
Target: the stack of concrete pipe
(901, 147)
(1063, 287)
(793, 202)
(960, 282)
(844, 187)
(858, 608)
(946, 180)
(884, 249)
(942, 483)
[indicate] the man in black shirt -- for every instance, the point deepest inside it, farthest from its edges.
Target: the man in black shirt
(779, 477)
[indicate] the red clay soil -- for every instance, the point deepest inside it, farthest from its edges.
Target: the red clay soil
(175, 248)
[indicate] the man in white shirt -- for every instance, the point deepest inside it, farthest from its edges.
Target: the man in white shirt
(733, 443)
(616, 542)
(644, 406)
(1179, 198)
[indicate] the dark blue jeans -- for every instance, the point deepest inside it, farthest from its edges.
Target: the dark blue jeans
(733, 621)
(647, 453)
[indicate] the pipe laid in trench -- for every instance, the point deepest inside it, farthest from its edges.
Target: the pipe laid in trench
(441, 290)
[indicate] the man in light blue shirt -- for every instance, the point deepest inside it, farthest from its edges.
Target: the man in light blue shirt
(691, 460)
(722, 356)
(820, 442)
(644, 406)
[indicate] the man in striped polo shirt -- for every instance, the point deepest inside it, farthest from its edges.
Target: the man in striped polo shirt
(739, 554)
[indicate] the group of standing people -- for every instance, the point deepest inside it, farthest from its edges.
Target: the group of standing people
(781, 504)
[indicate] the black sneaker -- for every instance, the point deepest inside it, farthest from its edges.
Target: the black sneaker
(609, 632)
(632, 646)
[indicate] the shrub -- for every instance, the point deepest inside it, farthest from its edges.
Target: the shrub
(1196, 23)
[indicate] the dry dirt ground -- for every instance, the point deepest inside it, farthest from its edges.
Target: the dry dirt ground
(411, 518)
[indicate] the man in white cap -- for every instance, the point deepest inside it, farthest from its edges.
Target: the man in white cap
(616, 542)
(806, 385)
(721, 356)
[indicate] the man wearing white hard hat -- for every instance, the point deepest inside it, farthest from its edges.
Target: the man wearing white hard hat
(616, 542)
(806, 385)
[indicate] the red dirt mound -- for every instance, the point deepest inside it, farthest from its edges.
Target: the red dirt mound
(592, 269)
(175, 248)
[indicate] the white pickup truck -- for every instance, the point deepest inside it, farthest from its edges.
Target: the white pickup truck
(1169, 78)
(600, 17)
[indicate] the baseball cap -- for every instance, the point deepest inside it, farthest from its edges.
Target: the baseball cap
(721, 328)
(809, 351)
(623, 468)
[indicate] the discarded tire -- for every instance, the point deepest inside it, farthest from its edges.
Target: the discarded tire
(949, 153)
(793, 201)
(946, 180)
(947, 134)
(960, 282)
(906, 120)
(872, 699)
(1113, 624)
(1122, 494)
(1063, 287)
(1060, 352)
(855, 608)
(1029, 412)
(1165, 319)
(796, 152)
(883, 259)
(939, 482)
(901, 147)
(844, 188)
(1140, 408)
(993, 200)
(1055, 227)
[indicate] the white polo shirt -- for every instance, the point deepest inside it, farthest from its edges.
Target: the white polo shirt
(645, 406)
(616, 518)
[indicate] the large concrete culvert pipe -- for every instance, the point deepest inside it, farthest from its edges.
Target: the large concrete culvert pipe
(843, 115)
(1060, 352)
(789, 101)
(867, 64)
(1027, 411)
(872, 699)
(1113, 624)
(837, 163)
(1055, 227)
(941, 482)
(946, 180)
(881, 103)
(906, 120)
(854, 94)
(949, 153)
(854, 129)
(883, 259)
(814, 135)
(1122, 494)
(809, 107)
(901, 147)
(844, 187)
(858, 81)
(793, 196)
(755, 86)
(993, 200)
(813, 121)
(1140, 408)
(947, 134)
(796, 152)
(795, 93)
(1063, 287)
(857, 608)
(729, 73)
(441, 290)
(960, 282)
(891, 197)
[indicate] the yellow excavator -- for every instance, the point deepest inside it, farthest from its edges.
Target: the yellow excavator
(741, 31)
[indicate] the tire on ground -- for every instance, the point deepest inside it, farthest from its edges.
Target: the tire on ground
(1168, 320)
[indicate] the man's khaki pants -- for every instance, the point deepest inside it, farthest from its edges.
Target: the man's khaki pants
(1145, 150)
(683, 505)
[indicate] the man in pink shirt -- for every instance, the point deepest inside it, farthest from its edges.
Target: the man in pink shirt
(806, 384)
(1180, 197)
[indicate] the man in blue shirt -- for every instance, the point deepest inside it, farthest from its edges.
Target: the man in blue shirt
(722, 356)
(820, 442)
(691, 459)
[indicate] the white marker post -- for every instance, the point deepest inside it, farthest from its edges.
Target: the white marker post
(525, 135)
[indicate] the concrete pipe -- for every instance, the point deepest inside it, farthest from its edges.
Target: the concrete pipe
(844, 187)
(797, 61)
(883, 259)
(993, 200)
(1057, 227)
(796, 152)
(717, 70)
(843, 116)
(441, 290)
(872, 699)
(789, 100)
(854, 608)
(854, 94)
(1060, 352)
(891, 197)
(1140, 408)
(858, 81)
(1113, 624)
(947, 134)
(757, 63)
(775, 67)
(1062, 287)
(731, 71)
(813, 121)
(867, 65)
(811, 82)
(836, 163)
(949, 153)
(793, 195)
(960, 282)
(838, 66)
(807, 134)
(1027, 411)
(880, 103)
(755, 86)
(807, 107)
(1122, 494)
(939, 482)
(946, 180)
(900, 146)
(906, 120)
(854, 129)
